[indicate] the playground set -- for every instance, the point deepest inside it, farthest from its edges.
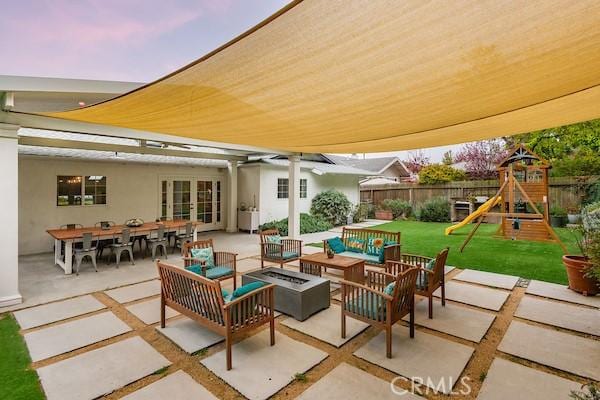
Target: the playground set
(523, 200)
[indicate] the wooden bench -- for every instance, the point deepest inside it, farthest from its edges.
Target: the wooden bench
(392, 252)
(201, 299)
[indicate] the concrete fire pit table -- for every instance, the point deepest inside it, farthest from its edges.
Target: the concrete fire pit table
(296, 294)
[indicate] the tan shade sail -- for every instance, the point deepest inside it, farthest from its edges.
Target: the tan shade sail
(380, 75)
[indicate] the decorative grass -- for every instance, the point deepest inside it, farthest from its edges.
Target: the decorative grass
(17, 380)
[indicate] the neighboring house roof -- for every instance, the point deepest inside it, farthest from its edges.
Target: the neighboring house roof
(373, 165)
(325, 168)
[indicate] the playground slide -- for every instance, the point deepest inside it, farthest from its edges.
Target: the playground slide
(482, 208)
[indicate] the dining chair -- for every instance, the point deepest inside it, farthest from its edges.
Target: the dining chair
(157, 240)
(87, 249)
(121, 244)
(183, 238)
(68, 226)
(103, 243)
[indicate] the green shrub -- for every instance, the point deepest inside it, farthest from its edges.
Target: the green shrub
(558, 211)
(308, 224)
(361, 212)
(435, 210)
(399, 208)
(439, 173)
(331, 205)
(592, 194)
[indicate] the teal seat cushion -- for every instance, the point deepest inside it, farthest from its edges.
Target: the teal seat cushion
(211, 273)
(362, 256)
(336, 245)
(369, 305)
(423, 278)
(382, 251)
(205, 255)
(286, 255)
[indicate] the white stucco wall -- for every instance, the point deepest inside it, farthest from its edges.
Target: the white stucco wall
(270, 207)
(132, 191)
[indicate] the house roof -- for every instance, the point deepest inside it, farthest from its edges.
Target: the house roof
(323, 167)
(374, 165)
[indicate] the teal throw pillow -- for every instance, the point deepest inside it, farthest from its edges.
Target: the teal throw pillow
(389, 289)
(374, 245)
(430, 265)
(274, 239)
(205, 255)
(355, 245)
(336, 245)
(247, 288)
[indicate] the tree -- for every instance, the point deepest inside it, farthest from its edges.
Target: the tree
(447, 158)
(416, 161)
(572, 149)
(561, 141)
(481, 158)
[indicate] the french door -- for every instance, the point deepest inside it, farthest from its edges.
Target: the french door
(193, 199)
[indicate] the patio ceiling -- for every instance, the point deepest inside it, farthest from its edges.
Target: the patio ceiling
(354, 76)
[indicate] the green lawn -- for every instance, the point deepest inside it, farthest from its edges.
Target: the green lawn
(527, 259)
(17, 381)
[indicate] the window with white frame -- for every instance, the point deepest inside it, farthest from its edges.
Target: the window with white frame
(283, 189)
(74, 190)
(303, 188)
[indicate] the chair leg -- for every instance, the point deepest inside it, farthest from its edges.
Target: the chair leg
(431, 306)
(262, 263)
(443, 294)
(228, 351)
(343, 325)
(130, 251)
(118, 256)
(153, 251)
(77, 264)
(94, 262)
(388, 341)
(162, 311)
(411, 320)
(272, 329)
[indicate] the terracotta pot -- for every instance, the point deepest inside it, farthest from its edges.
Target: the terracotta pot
(576, 267)
(385, 215)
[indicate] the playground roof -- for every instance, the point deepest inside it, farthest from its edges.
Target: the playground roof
(355, 76)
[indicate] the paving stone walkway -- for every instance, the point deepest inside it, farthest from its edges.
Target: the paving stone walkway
(89, 346)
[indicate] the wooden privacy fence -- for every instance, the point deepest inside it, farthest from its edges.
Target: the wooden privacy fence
(563, 191)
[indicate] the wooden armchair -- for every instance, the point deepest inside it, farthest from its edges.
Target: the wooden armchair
(429, 278)
(201, 299)
(225, 263)
(372, 305)
(286, 251)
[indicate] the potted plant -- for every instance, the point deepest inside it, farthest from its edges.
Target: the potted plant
(573, 214)
(384, 213)
(583, 270)
(558, 216)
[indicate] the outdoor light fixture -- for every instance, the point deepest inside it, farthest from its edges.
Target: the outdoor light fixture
(317, 171)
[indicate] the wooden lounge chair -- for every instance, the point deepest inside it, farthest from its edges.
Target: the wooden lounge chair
(225, 262)
(431, 274)
(285, 251)
(201, 299)
(372, 305)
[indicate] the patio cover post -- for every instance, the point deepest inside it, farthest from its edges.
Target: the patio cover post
(9, 215)
(294, 197)
(232, 172)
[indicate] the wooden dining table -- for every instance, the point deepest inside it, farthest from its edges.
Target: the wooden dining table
(63, 255)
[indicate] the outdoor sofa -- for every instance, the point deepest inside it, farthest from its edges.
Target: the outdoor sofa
(373, 246)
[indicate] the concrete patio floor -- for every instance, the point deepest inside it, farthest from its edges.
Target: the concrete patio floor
(468, 345)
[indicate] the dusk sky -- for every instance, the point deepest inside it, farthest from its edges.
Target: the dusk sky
(127, 40)
(130, 40)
